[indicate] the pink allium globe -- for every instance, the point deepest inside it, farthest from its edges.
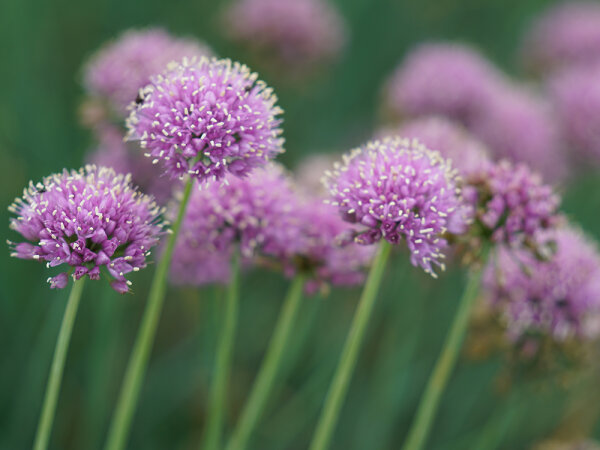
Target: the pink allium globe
(207, 118)
(452, 80)
(567, 34)
(89, 219)
(297, 33)
(559, 297)
(120, 68)
(400, 190)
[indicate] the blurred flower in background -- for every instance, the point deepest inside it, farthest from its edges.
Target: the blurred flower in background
(293, 36)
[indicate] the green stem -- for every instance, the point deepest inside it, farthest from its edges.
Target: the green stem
(224, 357)
(58, 363)
(269, 368)
(445, 363)
(138, 361)
(341, 379)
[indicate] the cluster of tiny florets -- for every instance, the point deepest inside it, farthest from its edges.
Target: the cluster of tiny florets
(558, 296)
(566, 35)
(250, 215)
(207, 118)
(88, 219)
(446, 79)
(399, 189)
(120, 68)
(575, 94)
(452, 140)
(511, 202)
(297, 33)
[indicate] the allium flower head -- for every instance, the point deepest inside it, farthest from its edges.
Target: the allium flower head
(399, 189)
(453, 141)
(118, 70)
(299, 33)
(576, 96)
(446, 79)
(567, 34)
(559, 297)
(126, 157)
(87, 219)
(207, 118)
(519, 126)
(512, 204)
(250, 213)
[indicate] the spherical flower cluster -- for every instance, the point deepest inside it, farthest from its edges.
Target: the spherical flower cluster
(252, 214)
(446, 79)
(566, 34)
(399, 189)
(511, 203)
(452, 140)
(88, 219)
(519, 126)
(207, 118)
(576, 96)
(323, 251)
(124, 157)
(297, 33)
(118, 70)
(559, 296)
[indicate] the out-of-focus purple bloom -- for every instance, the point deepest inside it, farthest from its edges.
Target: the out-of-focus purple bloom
(296, 33)
(207, 118)
(398, 189)
(122, 67)
(453, 141)
(567, 34)
(511, 203)
(559, 296)
(252, 214)
(576, 96)
(517, 125)
(322, 251)
(88, 219)
(126, 157)
(447, 79)
(309, 173)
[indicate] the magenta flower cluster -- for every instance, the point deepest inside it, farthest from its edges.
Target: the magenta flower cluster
(116, 72)
(300, 33)
(511, 203)
(567, 34)
(400, 190)
(88, 219)
(559, 296)
(207, 118)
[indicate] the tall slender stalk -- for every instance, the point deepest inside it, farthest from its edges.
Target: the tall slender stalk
(138, 361)
(218, 396)
(268, 371)
(445, 364)
(341, 379)
(56, 371)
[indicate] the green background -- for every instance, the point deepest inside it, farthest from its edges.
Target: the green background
(42, 46)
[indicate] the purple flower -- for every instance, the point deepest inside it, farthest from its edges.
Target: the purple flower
(122, 67)
(517, 125)
(559, 296)
(296, 33)
(251, 213)
(511, 203)
(446, 79)
(88, 219)
(567, 34)
(453, 141)
(398, 189)
(207, 118)
(310, 171)
(126, 157)
(576, 96)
